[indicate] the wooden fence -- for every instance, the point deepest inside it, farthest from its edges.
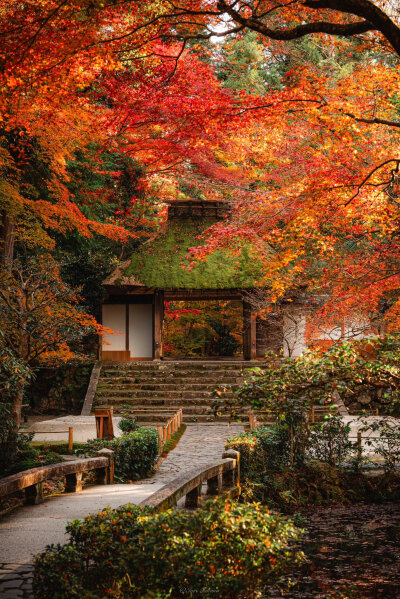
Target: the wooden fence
(70, 432)
(166, 431)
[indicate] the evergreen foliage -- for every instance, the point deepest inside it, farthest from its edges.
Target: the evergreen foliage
(223, 549)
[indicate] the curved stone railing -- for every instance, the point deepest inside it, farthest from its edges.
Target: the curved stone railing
(222, 476)
(31, 481)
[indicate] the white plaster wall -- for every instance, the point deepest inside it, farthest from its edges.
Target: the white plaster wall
(141, 330)
(114, 317)
(294, 329)
(351, 329)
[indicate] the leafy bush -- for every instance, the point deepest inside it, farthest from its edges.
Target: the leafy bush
(223, 549)
(387, 443)
(289, 386)
(329, 441)
(14, 374)
(267, 476)
(135, 453)
(30, 457)
(261, 449)
(16, 452)
(128, 424)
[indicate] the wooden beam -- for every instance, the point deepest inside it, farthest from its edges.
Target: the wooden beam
(202, 294)
(127, 327)
(249, 332)
(158, 324)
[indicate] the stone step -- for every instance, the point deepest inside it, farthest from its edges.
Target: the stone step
(154, 401)
(172, 375)
(167, 411)
(139, 394)
(158, 420)
(185, 364)
(161, 386)
(153, 391)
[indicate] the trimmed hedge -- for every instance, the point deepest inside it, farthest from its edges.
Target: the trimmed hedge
(221, 550)
(135, 453)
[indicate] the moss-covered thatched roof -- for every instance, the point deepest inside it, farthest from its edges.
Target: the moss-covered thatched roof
(160, 262)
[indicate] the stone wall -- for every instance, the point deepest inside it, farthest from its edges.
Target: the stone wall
(60, 389)
(368, 398)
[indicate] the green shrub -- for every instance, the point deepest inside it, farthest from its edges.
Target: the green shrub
(387, 441)
(16, 452)
(329, 441)
(221, 550)
(135, 453)
(267, 477)
(128, 424)
(262, 449)
(14, 375)
(60, 447)
(33, 458)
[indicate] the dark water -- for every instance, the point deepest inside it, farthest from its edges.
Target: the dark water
(353, 552)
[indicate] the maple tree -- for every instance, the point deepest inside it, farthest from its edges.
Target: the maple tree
(203, 328)
(41, 320)
(133, 77)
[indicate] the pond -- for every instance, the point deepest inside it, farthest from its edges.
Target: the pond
(353, 552)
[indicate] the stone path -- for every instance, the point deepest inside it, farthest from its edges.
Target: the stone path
(201, 444)
(29, 529)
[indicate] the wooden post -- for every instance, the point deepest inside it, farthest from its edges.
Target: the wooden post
(104, 423)
(160, 437)
(377, 411)
(70, 438)
(249, 332)
(158, 324)
(359, 446)
(313, 415)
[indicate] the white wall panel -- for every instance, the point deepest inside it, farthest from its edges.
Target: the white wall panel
(294, 329)
(114, 317)
(141, 330)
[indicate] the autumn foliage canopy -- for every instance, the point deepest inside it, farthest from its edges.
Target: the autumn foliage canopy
(289, 110)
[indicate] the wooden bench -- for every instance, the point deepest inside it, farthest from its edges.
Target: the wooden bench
(31, 481)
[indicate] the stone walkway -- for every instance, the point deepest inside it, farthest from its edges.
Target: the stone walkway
(29, 529)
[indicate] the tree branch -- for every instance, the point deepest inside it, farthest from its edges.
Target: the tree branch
(367, 177)
(373, 19)
(299, 31)
(373, 121)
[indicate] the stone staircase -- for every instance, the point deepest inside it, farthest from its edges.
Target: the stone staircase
(153, 391)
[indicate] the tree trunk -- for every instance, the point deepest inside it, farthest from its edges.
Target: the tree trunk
(17, 407)
(8, 239)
